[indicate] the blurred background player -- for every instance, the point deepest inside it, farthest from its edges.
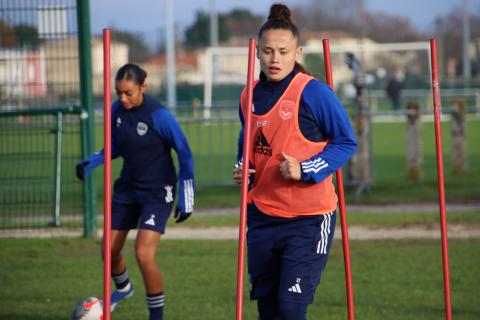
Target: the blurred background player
(300, 136)
(143, 134)
(394, 88)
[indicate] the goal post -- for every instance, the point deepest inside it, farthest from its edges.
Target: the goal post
(228, 64)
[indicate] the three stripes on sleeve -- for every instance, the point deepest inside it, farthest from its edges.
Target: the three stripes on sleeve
(188, 195)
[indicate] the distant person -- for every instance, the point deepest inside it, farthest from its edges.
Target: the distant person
(300, 135)
(394, 89)
(143, 134)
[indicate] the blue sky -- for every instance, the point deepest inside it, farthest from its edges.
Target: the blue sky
(148, 15)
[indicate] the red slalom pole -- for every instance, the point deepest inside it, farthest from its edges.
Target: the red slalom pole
(246, 161)
(441, 182)
(341, 200)
(107, 183)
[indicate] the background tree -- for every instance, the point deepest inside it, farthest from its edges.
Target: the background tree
(235, 23)
(449, 32)
(383, 27)
(198, 34)
(349, 16)
(242, 22)
(138, 50)
(27, 37)
(338, 15)
(7, 35)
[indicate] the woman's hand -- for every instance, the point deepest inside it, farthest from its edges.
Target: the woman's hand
(290, 168)
(238, 173)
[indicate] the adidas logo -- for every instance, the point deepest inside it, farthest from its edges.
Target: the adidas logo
(261, 145)
(261, 140)
(151, 221)
(295, 288)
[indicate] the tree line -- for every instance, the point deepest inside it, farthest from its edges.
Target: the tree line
(332, 15)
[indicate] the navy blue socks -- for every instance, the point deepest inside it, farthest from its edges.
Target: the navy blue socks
(155, 305)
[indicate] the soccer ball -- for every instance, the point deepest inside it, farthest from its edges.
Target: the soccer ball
(89, 309)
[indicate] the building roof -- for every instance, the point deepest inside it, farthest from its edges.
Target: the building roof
(181, 59)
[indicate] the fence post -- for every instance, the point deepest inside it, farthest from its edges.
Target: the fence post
(360, 171)
(58, 170)
(428, 101)
(88, 129)
(414, 141)
(459, 138)
(373, 103)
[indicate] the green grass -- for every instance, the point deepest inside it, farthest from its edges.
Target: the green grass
(390, 184)
(217, 197)
(27, 169)
(383, 219)
(44, 278)
(389, 173)
(356, 218)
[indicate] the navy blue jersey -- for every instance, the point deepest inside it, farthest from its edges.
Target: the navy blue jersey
(321, 117)
(143, 137)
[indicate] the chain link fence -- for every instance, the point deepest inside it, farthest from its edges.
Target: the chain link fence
(40, 131)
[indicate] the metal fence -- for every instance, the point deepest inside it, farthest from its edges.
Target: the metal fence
(38, 151)
(212, 135)
(40, 133)
(42, 138)
(380, 103)
(213, 140)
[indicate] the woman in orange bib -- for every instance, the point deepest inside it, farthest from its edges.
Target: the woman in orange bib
(300, 135)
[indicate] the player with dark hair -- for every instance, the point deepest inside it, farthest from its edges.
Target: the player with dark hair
(143, 134)
(394, 89)
(300, 135)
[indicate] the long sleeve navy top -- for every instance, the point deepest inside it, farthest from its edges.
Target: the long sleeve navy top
(143, 137)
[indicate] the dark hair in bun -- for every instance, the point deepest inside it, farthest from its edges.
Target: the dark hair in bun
(279, 18)
(279, 12)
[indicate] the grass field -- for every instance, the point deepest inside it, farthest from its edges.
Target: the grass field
(389, 174)
(213, 162)
(27, 167)
(27, 170)
(44, 278)
(383, 219)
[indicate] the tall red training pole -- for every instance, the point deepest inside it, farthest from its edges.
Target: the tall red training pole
(341, 201)
(243, 205)
(441, 183)
(107, 183)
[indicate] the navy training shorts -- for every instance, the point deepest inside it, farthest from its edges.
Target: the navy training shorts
(142, 209)
(286, 256)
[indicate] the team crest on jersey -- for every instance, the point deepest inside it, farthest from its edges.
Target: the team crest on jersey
(142, 128)
(119, 121)
(286, 109)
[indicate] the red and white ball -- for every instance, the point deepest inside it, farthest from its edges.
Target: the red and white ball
(89, 309)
